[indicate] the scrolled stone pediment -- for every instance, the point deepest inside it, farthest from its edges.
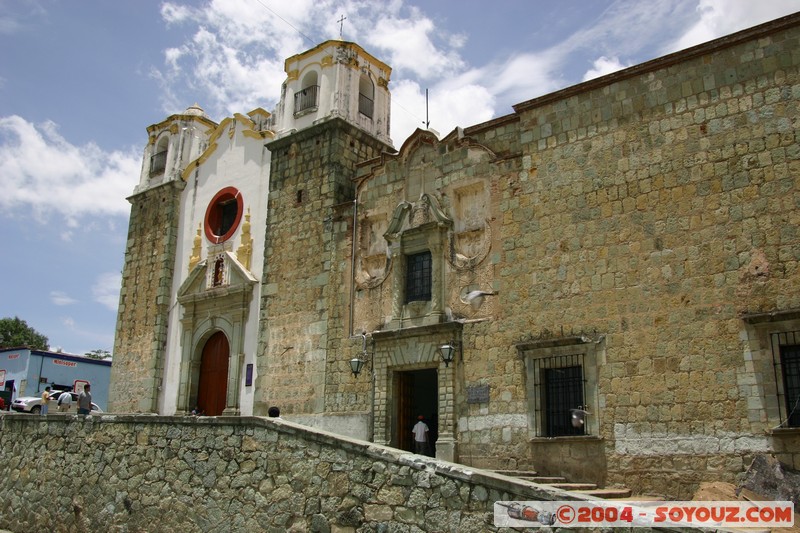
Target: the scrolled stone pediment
(409, 215)
(199, 285)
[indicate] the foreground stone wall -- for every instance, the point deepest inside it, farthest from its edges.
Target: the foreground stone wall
(152, 473)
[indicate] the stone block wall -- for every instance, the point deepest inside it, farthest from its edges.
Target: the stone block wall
(141, 333)
(150, 473)
(655, 209)
(308, 215)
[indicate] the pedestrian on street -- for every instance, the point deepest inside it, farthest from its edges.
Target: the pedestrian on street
(85, 400)
(45, 401)
(65, 402)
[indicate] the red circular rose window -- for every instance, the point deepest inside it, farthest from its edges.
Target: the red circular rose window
(223, 215)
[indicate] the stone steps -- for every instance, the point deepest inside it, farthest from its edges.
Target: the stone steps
(559, 482)
(516, 473)
(574, 486)
(607, 494)
(545, 480)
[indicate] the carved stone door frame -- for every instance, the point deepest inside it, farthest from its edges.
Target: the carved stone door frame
(416, 349)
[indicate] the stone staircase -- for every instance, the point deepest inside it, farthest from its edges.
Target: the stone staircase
(561, 483)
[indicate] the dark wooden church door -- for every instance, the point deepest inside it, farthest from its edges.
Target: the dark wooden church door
(213, 386)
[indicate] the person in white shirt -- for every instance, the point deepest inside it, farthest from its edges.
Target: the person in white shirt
(420, 431)
(64, 402)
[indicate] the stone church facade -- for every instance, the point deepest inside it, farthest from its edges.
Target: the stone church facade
(602, 284)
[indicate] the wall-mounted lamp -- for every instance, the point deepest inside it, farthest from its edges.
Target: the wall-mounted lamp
(357, 363)
(448, 352)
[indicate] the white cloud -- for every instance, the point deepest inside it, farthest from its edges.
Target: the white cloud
(61, 298)
(20, 16)
(237, 48)
(236, 53)
(408, 41)
(40, 170)
(106, 289)
(603, 65)
(722, 17)
(449, 105)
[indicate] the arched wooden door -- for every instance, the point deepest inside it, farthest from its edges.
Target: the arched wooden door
(213, 385)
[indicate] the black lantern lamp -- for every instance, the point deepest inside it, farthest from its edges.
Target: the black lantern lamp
(357, 363)
(448, 352)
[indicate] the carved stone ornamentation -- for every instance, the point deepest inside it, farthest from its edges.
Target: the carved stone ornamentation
(245, 251)
(479, 242)
(196, 249)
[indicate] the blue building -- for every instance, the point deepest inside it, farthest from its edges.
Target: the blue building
(26, 372)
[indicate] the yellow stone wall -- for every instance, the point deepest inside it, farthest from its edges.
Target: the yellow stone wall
(141, 333)
(301, 316)
(652, 210)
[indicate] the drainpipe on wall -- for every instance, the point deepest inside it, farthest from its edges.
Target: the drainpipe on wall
(353, 265)
(351, 333)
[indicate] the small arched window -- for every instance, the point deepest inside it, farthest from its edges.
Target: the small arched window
(366, 96)
(158, 161)
(307, 98)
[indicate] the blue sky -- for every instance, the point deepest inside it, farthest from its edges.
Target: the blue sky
(81, 80)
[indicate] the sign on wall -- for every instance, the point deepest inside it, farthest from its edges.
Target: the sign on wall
(478, 394)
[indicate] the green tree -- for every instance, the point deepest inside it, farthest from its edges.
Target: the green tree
(16, 332)
(98, 354)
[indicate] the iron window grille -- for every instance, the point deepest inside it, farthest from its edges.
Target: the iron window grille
(306, 99)
(418, 277)
(562, 388)
(365, 105)
(158, 162)
(786, 363)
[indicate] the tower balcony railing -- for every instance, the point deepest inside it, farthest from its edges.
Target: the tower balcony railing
(306, 99)
(158, 162)
(365, 105)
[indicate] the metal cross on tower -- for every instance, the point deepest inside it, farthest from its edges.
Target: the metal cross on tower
(341, 25)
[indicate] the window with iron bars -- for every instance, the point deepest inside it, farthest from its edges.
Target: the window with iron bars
(786, 363)
(418, 277)
(365, 105)
(158, 162)
(306, 98)
(561, 395)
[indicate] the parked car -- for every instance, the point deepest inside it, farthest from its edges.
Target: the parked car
(33, 404)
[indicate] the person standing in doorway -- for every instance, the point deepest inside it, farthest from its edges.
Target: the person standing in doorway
(420, 431)
(45, 401)
(65, 402)
(85, 400)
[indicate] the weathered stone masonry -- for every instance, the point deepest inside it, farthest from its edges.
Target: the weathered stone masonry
(651, 217)
(145, 297)
(148, 473)
(301, 321)
(640, 228)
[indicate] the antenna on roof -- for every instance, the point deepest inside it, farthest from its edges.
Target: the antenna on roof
(341, 25)
(427, 121)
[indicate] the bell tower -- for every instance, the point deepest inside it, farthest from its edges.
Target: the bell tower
(333, 115)
(335, 79)
(141, 333)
